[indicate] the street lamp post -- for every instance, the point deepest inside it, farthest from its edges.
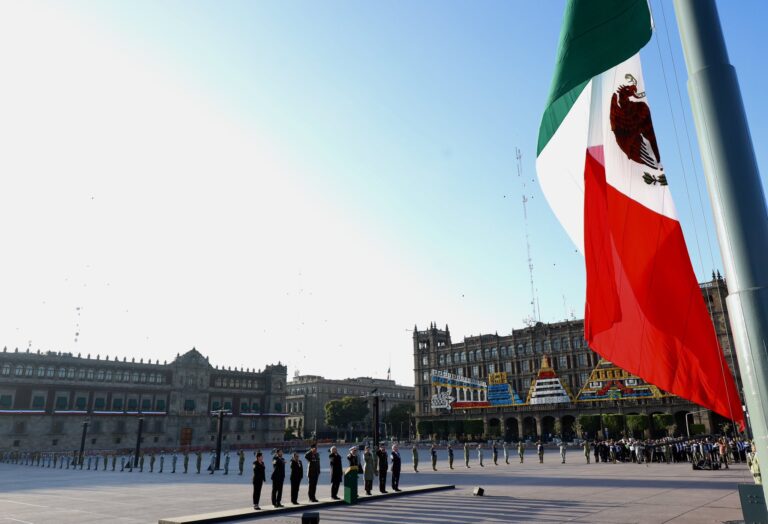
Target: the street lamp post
(138, 441)
(82, 440)
(687, 430)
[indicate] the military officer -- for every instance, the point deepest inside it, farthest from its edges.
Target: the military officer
(415, 453)
(495, 454)
(278, 477)
(466, 454)
(433, 454)
(540, 451)
(297, 473)
(505, 447)
(173, 462)
(369, 470)
(336, 472)
(151, 462)
(521, 450)
(563, 449)
(259, 477)
(162, 461)
(97, 463)
(212, 463)
(450, 456)
(198, 460)
(185, 458)
(240, 460)
(383, 466)
(586, 450)
(396, 467)
(226, 464)
(480, 455)
(313, 470)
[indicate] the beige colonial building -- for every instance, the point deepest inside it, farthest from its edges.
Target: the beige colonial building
(542, 373)
(308, 395)
(46, 397)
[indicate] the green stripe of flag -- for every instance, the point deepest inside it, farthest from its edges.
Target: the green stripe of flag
(596, 35)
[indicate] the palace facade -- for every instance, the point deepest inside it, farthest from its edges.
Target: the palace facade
(535, 379)
(45, 398)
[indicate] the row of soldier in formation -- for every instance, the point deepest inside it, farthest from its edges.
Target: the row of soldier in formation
(720, 451)
(371, 464)
(124, 461)
(493, 447)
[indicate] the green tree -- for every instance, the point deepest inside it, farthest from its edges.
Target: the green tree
(425, 429)
(399, 417)
(343, 413)
(663, 421)
(473, 427)
(558, 428)
(589, 424)
(637, 424)
(614, 423)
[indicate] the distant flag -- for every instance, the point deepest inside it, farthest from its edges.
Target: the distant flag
(600, 168)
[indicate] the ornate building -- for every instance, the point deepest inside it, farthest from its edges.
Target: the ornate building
(46, 397)
(308, 395)
(521, 384)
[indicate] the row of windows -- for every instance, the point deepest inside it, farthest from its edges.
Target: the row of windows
(523, 366)
(295, 407)
(106, 375)
(339, 390)
(494, 353)
(236, 383)
(80, 402)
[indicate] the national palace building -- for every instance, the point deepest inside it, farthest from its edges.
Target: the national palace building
(46, 397)
(519, 385)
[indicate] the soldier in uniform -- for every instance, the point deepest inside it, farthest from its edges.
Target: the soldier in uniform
(185, 458)
(240, 460)
(396, 467)
(495, 454)
(336, 472)
(586, 450)
(173, 462)
(540, 451)
(313, 470)
(466, 454)
(212, 464)
(506, 451)
(226, 464)
(297, 473)
(480, 455)
(122, 463)
(89, 462)
(415, 453)
(369, 470)
(151, 462)
(433, 454)
(198, 460)
(278, 477)
(563, 449)
(521, 450)
(259, 477)
(162, 461)
(383, 466)
(450, 456)
(141, 463)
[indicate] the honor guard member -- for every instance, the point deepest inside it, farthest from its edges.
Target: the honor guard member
(151, 462)
(278, 477)
(466, 454)
(540, 451)
(396, 467)
(313, 470)
(198, 460)
(521, 450)
(212, 464)
(383, 466)
(240, 460)
(226, 464)
(506, 451)
(297, 473)
(415, 453)
(173, 462)
(450, 456)
(185, 460)
(336, 472)
(495, 454)
(97, 464)
(433, 454)
(122, 463)
(480, 455)
(89, 462)
(259, 477)
(563, 449)
(106, 460)
(162, 461)
(369, 470)
(586, 450)
(141, 463)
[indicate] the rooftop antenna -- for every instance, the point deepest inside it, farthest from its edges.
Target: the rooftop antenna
(534, 301)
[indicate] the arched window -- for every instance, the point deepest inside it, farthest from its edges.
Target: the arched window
(576, 342)
(41, 371)
(6, 369)
(90, 374)
(81, 373)
(537, 347)
(478, 355)
(19, 370)
(50, 372)
(63, 373)
(564, 343)
(108, 375)
(100, 375)
(463, 357)
(143, 377)
(556, 344)
(30, 371)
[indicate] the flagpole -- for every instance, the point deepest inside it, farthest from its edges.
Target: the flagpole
(737, 196)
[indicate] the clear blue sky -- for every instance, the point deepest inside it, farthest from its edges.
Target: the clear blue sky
(302, 180)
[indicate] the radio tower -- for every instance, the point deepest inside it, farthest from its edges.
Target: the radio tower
(534, 303)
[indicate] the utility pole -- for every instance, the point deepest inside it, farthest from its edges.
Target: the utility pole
(737, 197)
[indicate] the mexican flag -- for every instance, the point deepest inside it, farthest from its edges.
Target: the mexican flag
(601, 170)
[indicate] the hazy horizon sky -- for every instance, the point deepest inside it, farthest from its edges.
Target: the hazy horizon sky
(302, 181)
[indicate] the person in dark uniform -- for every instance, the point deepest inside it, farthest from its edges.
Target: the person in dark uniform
(450, 456)
(313, 470)
(383, 464)
(278, 477)
(336, 473)
(297, 473)
(259, 477)
(495, 454)
(396, 468)
(433, 454)
(369, 470)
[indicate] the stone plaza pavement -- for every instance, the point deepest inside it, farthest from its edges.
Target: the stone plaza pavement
(531, 492)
